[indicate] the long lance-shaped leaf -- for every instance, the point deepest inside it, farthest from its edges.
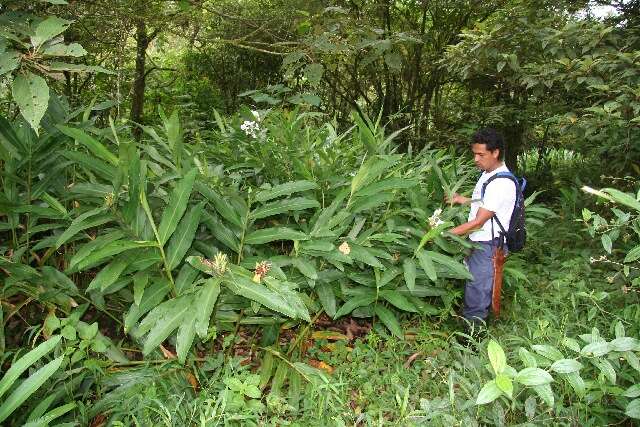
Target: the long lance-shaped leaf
(285, 189)
(243, 286)
(182, 238)
(409, 269)
(177, 206)
(109, 250)
(77, 225)
(184, 339)
(453, 265)
(91, 164)
(91, 143)
(153, 295)
(389, 320)
(46, 419)
(167, 323)
(386, 185)
(271, 234)
(206, 302)
(224, 208)
(108, 275)
(9, 140)
(25, 362)
(282, 206)
(427, 265)
(28, 387)
(355, 302)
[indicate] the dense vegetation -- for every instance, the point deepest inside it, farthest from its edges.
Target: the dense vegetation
(231, 213)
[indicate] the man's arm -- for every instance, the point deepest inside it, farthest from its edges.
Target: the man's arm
(482, 216)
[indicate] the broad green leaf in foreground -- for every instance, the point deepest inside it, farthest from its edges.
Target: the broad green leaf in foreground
(31, 93)
(28, 387)
(177, 206)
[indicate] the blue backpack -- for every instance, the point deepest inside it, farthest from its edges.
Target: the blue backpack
(516, 236)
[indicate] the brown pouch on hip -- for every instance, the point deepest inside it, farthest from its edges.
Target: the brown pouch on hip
(498, 268)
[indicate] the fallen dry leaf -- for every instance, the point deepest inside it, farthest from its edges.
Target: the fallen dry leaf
(328, 335)
(167, 354)
(320, 365)
(411, 358)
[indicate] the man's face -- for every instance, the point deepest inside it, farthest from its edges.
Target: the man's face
(484, 159)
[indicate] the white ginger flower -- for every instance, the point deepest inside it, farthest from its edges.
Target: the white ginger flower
(434, 220)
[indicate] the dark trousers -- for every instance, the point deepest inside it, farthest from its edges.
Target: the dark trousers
(478, 291)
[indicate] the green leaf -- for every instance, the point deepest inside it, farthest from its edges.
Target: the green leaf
(48, 29)
(93, 145)
(31, 93)
(389, 320)
(46, 419)
(398, 300)
(566, 366)
(282, 206)
(28, 387)
(222, 206)
(496, 357)
(267, 235)
(25, 362)
(596, 349)
(623, 198)
(371, 202)
(606, 243)
(409, 267)
(633, 254)
(177, 206)
(60, 49)
(184, 339)
(285, 189)
(386, 185)
(152, 296)
(548, 351)
(9, 61)
(576, 382)
(108, 275)
(182, 238)
(427, 265)
(163, 320)
(243, 286)
(207, 300)
(327, 298)
(606, 369)
(504, 383)
(360, 253)
(633, 409)
(454, 266)
(489, 393)
(625, 344)
(140, 280)
(353, 303)
(220, 231)
(633, 391)
(545, 393)
(77, 225)
(108, 251)
(533, 377)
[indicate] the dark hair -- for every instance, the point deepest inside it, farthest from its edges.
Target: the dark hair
(491, 138)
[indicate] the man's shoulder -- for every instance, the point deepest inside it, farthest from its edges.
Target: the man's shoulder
(501, 181)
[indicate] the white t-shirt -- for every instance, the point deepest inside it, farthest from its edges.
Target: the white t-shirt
(499, 198)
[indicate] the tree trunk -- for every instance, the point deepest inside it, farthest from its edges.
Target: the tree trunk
(513, 136)
(137, 91)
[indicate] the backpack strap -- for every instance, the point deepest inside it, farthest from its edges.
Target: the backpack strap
(507, 175)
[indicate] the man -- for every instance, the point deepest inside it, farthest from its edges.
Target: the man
(498, 202)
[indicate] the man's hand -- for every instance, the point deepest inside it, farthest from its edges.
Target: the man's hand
(456, 199)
